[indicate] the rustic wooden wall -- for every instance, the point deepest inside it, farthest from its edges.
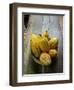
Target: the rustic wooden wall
(38, 24)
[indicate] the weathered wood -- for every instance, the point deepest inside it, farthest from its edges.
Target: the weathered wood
(38, 24)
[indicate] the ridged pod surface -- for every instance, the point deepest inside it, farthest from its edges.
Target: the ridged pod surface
(53, 53)
(45, 59)
(44, 46)
(53, 43)
(34, 42)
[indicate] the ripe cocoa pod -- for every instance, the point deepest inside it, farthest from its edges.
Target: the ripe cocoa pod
(53, 43)
(53, 53)
(45, 59)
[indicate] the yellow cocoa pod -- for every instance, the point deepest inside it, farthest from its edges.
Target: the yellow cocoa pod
(45, 34)
(43, 44)
(53, 53)
(45, 59)
(34, 43)
(53, 43)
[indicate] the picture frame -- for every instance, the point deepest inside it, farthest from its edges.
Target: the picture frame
(16, 48)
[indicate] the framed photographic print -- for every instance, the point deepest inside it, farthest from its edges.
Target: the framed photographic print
(40, 44)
